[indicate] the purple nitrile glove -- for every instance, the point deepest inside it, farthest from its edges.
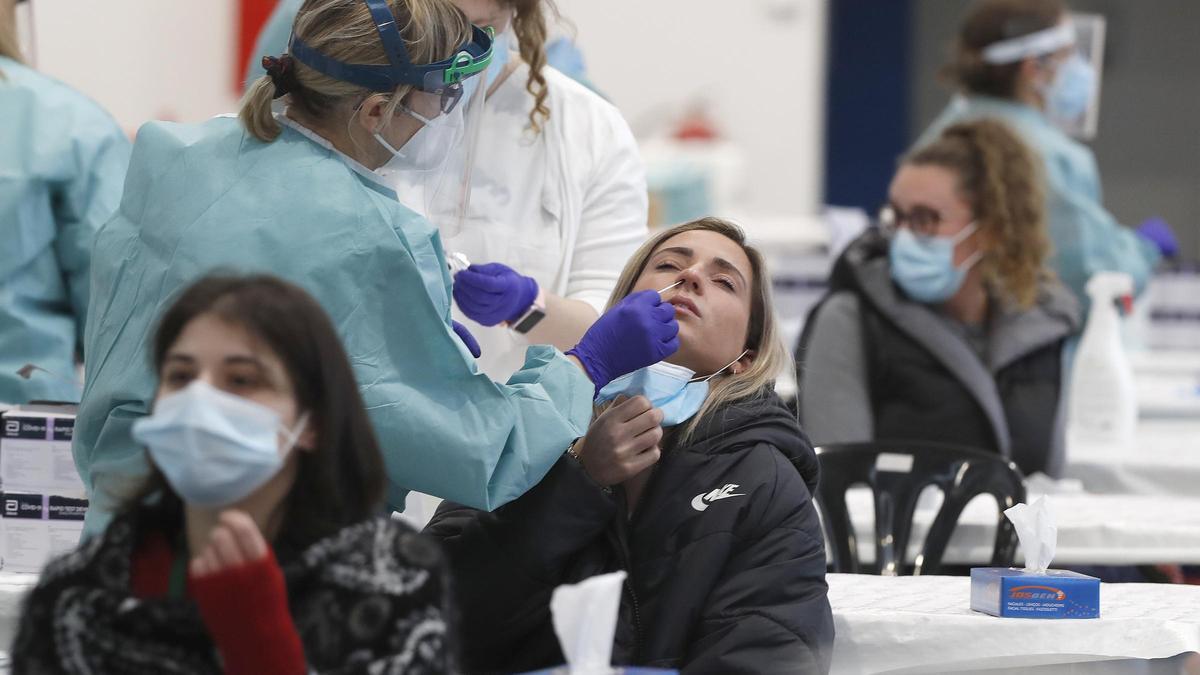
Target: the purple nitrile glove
(493, 293)
(1161, 235)
(640, 331)
(466, 337)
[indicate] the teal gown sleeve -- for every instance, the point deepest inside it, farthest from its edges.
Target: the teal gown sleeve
(207, 197)
(62, 169)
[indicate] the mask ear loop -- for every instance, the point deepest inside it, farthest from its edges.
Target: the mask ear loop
(706, 379)
(292, 436)
(962, 236)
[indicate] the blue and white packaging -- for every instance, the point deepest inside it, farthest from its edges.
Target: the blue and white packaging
(1036, 592)
(1053, 594)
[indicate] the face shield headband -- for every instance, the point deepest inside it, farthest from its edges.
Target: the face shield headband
(443, 78)
(1038, 43)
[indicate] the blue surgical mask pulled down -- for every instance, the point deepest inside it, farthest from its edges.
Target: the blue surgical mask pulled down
(214, 448)
(672, 389)
(924, 267)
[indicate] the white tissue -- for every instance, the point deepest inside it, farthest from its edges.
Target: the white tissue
(1037, 529)
(585, 620)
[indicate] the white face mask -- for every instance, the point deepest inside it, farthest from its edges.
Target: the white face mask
(427, 150)
(215, 448)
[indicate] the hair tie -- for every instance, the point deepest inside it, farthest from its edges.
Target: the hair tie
(282, 73)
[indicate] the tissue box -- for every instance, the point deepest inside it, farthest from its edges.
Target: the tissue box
(1053, 594)
(618, 670)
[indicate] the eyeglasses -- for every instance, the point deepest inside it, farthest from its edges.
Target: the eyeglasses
(923, 222)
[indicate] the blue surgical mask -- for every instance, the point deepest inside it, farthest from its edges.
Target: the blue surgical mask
(214, 448)
(924, 267)
(672, 389)
(501, 55)
(1068, 95)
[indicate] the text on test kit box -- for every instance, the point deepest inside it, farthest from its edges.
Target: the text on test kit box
(43, 502)
(1053, 594)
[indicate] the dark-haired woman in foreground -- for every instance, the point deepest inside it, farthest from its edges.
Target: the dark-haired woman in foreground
(255, 546)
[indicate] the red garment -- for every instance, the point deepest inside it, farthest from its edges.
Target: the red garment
(245, 609)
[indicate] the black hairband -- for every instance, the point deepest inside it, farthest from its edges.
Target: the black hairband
(281, 70)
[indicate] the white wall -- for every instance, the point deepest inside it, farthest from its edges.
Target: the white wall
(758, 63)
(141, 59)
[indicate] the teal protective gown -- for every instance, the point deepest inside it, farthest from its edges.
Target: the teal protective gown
(1087, 239)
(62, 166)
(211, 197)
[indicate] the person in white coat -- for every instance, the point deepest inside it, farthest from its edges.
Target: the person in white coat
(558, 198)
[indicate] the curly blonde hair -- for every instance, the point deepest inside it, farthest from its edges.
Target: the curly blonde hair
(531, 29)
(1002, 181)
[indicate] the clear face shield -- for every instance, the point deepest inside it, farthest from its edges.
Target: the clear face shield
(1071, 94)
(437, 182)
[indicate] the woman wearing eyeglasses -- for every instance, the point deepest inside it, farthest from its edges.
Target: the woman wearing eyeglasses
(946, 325)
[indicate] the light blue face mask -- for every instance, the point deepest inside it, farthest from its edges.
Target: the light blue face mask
(672, 389)
(501, 55)
(1068, 95)
(924, 267)
(213, 447)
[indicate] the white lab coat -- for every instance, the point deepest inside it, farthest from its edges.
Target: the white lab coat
(567, 207)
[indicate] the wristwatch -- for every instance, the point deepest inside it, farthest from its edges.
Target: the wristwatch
(532, 317)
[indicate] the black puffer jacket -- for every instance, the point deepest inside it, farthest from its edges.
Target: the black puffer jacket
(725, 556)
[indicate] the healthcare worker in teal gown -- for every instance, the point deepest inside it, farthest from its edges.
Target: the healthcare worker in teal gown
(1019, 63)
(62, 166)
(303, 192)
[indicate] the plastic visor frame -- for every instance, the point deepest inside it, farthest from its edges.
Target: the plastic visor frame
(443, 78)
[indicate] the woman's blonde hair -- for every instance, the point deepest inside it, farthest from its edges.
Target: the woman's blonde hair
(1001, 180)
(10, 47)
(344, 30)
(531, 29)
(771, 356)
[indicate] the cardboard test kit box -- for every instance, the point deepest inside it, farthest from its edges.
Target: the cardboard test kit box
(43, 502)
(1053, 594)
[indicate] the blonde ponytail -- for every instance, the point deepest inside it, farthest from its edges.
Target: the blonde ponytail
(256, 113)
(1000, 177)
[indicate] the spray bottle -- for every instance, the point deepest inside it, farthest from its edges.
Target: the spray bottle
(1103, 404)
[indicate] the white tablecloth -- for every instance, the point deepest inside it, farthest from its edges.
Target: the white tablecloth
(1092, 529)
(924, 624)
(13, 588)
(1164, 460)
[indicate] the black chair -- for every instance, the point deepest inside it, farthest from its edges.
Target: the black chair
(907, 468)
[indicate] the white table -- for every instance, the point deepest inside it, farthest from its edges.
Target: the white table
(924, 625)
(1164, 460)
(13, 588)
(1092, 529)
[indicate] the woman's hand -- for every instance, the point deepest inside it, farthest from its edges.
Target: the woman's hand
(235, 541)
(622, 442)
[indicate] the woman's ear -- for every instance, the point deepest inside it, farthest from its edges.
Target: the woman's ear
(370, 114)
(743, 364)
(308, 438)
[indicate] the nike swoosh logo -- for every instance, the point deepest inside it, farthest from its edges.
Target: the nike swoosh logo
(702, 501)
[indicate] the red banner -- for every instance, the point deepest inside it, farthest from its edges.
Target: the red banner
(252, 15)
